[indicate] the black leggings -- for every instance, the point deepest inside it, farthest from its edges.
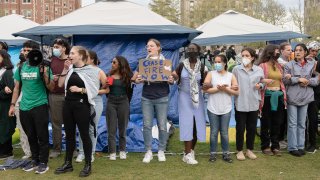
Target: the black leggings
(76, 113)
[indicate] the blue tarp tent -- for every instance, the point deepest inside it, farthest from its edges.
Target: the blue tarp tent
(232, 27)
(119, 28)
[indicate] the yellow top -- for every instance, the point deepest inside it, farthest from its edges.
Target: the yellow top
(275, 75)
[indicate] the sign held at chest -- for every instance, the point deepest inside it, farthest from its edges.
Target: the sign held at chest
(155, 69)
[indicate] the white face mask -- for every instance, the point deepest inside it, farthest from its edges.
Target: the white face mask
(246, 61)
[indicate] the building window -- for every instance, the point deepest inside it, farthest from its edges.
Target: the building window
(6, 1)
(47, 7)
(46, 19)
(70, 8)
(64, 4)
(13, 11)
(13, 1)
(56, 10)
(6, 12)
(27, 13)
(26, 1)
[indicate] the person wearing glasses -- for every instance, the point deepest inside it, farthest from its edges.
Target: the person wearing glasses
(60, 52)
(82, 85)
(118, 105)
(155, 98)
(7, 123)
(34, 114)
(94, 61)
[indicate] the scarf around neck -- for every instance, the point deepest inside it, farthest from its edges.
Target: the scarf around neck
(194, 88)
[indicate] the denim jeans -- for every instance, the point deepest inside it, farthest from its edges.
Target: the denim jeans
(296, 126)
(219, 123)
(149, 108)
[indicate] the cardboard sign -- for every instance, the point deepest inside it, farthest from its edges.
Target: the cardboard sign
(155, 70)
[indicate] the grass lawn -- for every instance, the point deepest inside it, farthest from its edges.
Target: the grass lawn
(285, 167)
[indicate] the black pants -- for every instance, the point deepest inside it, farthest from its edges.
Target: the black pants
(283, 126)
(35, 124)
(76, 113)
(6, 147)
(313, 109)
(270, 124)
(246, 121)
(117, 116)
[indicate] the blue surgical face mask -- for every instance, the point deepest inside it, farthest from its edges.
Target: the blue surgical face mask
(218, 67)
(56, 52)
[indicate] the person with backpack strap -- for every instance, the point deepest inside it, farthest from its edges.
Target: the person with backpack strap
(190, 75)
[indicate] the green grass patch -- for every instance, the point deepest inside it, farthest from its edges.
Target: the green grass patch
(265, 167)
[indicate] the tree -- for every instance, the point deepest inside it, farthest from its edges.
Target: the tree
(273, 12)
(297, 17)
(166, 8)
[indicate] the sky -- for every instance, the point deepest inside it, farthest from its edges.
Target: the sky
(287, 3)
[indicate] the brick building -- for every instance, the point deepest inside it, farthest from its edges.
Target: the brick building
(40, 11)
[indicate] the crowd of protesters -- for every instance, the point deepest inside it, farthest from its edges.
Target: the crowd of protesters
(279, 89)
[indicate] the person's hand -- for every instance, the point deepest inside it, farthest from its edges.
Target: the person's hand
(268, 81)
(11, 111)
(257, 86)
(235, 87)
(222, 87)
(75, 89)
(7, 90)
(139, 79)
(171, 80)
(287, 76)
(303, 82)
(67, 64)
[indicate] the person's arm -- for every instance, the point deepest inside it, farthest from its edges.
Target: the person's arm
(8, 84)
(135, 78)
(48, 78)
(207, 83)
(64, 73)
(14, 99)
(103, 80)
(234, 83)
(287, 78)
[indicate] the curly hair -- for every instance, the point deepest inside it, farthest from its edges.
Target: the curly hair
(268, 54)
(124, 69)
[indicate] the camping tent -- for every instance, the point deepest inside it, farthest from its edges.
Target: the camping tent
(119, 28)
(232, 27)
(11, 24)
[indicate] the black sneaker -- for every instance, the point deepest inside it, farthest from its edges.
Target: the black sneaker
(213, 158)
(6, 156)
(311, 149)
(227, 158)
(42, 168)
(31, 166)
(295, 153)
(302, 152)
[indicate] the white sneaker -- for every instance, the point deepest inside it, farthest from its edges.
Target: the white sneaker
(189, 159)
(123, 155)
(26, 157)
(161, 156)
(113, 156)
(80, 158)
(184, 157)
(193, 154)
(147, 157)
(92, 158)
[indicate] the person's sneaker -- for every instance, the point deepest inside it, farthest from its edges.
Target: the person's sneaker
(80, 158)
(123, 155)
(251, 155)
(283, 144)
(193, 154)
(75, 154)
(227, 158)
(302, 152)
(311, 149)
(213, 158)
(92, 158)
(267, 151)
(6, 156)
(147, 157)
(113, 156)
(31, 166)
(54, 154)
(276, 152)
(189, 159)
(240, 156)
(295, 153)
(26, 157)
(161, 156)
(42, 168)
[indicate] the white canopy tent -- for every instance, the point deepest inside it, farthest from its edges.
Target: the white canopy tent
(11, 24)
(232, 27)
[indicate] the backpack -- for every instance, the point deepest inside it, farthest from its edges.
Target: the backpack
(180, 67)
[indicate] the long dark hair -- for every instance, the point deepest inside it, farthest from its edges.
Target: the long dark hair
(93, 55)
(268, 55)
(124, 69)
(6, 63)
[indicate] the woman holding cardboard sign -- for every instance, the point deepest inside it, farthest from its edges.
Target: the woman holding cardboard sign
(190, 74)
(154, 99)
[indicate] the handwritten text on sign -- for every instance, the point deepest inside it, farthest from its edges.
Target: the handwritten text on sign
(155, 70)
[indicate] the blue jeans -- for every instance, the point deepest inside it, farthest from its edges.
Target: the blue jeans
(296, 126)
(219, 123)
(149, 108)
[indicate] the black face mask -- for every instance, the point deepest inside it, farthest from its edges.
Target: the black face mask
(277, 55)
(192, 54)
(22, 58)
